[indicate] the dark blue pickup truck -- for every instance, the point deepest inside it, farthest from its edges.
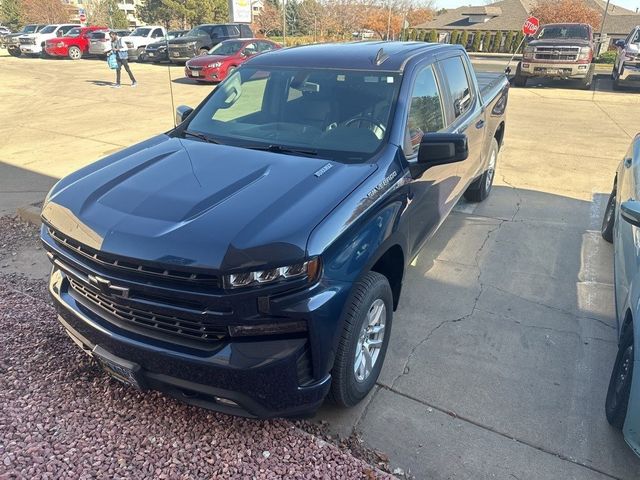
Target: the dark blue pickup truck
(250, 259)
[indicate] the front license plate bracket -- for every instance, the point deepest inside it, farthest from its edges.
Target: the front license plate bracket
(118, 368)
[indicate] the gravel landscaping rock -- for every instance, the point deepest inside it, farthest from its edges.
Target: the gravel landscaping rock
(62, 417)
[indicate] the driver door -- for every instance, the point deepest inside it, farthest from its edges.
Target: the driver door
(431, 189)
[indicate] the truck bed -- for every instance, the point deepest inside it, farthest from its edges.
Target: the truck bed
(490, 83)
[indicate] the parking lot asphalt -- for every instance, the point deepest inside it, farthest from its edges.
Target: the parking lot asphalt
(504, 338)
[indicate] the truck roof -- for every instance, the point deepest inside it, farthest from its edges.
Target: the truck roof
(351, 56)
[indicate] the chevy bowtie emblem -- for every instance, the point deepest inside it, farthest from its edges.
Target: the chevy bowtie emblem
(106, 288)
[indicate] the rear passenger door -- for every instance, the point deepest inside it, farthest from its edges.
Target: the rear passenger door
(465, 115)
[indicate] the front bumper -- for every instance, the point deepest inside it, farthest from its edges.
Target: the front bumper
(554, 70)
(56, 51)
(30, 49)
(630, 73)
(260, 375)
(204, 75)
(156, 55)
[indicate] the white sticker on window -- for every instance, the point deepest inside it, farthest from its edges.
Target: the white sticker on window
(340, 78)
(389, 79)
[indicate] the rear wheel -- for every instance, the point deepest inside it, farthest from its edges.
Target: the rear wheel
(364, 340)
(519, 80)
(481, 187)
(203, 51)
(140, 54)
(620, 383)
(75, 53)
(609, 219)
(14, 52)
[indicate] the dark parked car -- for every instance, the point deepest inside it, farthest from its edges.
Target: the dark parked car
(250, 259)
(620, 226)
(202, 38)
(12, 40)
(157, 52)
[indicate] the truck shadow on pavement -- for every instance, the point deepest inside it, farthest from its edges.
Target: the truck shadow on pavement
(501, 348)
(601, 83)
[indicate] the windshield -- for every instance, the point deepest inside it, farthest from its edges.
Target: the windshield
(49, 29)
(140, 32)
(226, 48)
(196, 32)
(29, 28)
(74, 32)
(564, 31)
(338, 114)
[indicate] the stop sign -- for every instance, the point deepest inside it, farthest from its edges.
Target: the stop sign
(531, 26)
(83, 17)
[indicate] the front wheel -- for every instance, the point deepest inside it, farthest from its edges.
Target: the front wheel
(481, 187)
(609, 219)
(364, 340)
(14, 52)
(620, 383)
(75, 53)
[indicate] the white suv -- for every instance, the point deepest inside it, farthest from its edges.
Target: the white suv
(33, 43)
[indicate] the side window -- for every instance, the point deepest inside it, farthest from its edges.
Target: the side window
(240, 101)
(264, 46)
(217, 32)
(157, 33)
(67, 28)
(250, 49)
(425, 111)
(458, 84)
(232, 31)
(246, 31)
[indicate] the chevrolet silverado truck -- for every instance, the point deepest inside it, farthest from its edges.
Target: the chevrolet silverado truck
(34, 43)
(626, 69)
(12, 41)
(201, 39)
(560, 51)
(250, 259)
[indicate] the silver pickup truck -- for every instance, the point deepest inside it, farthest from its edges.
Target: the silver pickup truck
(627, 65)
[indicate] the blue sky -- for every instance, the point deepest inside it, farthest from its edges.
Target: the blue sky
(630, 4)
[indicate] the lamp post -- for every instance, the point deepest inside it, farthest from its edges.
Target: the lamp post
(604, 17)
(284, 23)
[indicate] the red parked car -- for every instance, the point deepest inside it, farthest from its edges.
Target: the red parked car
(73, 45)
(222, 59)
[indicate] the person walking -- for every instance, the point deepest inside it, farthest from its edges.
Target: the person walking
(119, 48)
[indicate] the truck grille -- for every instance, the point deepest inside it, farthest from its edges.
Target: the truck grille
(27, 41)
(182, 51)
(129, 315)
(557, 53)
(131, 266)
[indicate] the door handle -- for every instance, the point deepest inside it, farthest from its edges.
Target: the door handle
(480, 124)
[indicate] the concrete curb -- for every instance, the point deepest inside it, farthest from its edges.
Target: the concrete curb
(30, 214)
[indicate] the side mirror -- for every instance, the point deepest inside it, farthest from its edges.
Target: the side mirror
(619, 43)
(442, 148)
(630, 211)
(182, 112)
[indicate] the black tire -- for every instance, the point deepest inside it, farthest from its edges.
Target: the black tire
(620, 383)
(481, 186)
(203, 51)
(519, 80)
(609, 218)
(14, 53)
(586, 82)
(346, 389)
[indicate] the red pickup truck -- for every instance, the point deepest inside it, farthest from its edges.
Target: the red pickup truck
(73, 45)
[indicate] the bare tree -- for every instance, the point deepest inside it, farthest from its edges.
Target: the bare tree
(46, 11)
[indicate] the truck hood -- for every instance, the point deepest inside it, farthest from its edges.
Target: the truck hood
(185, 40)
(569, 42)
(192, 203)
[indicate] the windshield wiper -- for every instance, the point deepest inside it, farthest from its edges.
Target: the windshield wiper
(201, 136)
(281, 149)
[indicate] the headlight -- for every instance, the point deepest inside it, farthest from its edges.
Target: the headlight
(528, 52)
(214, 65)
(585, 53)
(309, 270)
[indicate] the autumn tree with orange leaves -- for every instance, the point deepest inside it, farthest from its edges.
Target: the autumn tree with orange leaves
(46, 11)
(563, 11)
(376, 19)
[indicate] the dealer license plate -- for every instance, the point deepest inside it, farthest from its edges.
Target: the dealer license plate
(195, 74)
(176, 54)
(122, 370)
(552, 71)
(151, 54)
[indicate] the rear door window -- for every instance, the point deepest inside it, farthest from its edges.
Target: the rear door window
(217, 31)
(459, 85)
(233, 31)
(157, 33)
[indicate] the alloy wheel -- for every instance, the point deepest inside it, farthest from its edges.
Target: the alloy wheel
(370, 340)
